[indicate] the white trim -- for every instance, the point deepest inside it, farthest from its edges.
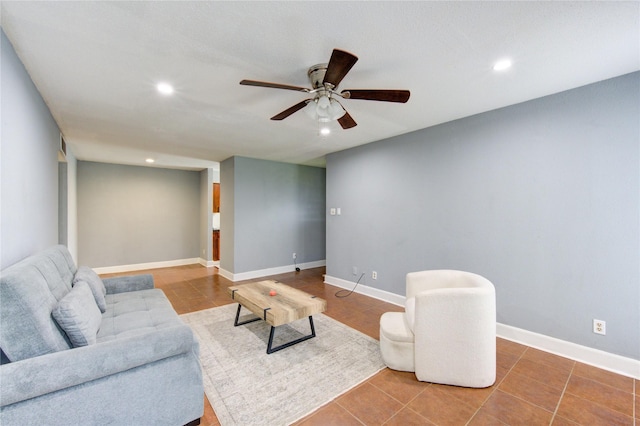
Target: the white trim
(269, 271)
(595, 357)
(366, 290)
(208, 263)
(143, 266)
(225, 274)
(607, 361)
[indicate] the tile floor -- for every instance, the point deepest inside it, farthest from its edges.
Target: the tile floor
(532, 387)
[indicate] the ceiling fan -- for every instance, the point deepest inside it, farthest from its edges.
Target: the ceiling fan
(325, 78)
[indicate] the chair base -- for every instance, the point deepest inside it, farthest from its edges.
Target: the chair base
(396, 342)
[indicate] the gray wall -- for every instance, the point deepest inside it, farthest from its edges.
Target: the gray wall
(277, 209)
(72, 204)
(28, 164)
(63, 203)
(67, 204)
(227, 217)
(205, 214)
(130, 214)
(542, 198)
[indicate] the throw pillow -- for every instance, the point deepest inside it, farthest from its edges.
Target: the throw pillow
(78, 315)
(96, 285)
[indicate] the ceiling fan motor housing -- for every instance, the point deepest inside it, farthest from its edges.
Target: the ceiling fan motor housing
(316, 75)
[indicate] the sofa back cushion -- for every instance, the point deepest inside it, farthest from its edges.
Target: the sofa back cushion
(29, 291)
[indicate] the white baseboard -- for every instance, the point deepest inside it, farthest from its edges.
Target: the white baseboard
(226, 274)
(584, 354)
(208, 263)
(366, 290)
(143, 266)
(595, 357)
(269, 271)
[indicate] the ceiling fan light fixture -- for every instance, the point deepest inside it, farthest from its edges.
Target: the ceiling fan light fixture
(324, 107)
(336, 110)
(311, 109)
(323, 102)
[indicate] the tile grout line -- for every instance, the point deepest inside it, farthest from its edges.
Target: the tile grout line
(410, 409)
(536, 405)
(555, 412)
(403, 405)
(346, 409)
(496, 388)
(607, 385)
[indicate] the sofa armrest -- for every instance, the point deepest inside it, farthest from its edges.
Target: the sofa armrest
(44, 374)
(128, 283)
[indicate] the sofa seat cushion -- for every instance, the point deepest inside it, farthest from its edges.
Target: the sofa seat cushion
(134, 313)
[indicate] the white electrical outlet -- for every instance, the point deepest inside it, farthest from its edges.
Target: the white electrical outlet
(374, 275)
(355, 270)
(599, 327)
(295, 256)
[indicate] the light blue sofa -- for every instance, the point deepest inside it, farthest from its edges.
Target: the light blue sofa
(140, 367)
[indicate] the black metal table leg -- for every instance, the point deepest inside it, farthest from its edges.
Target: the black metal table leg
(236, 323)
(271, 349)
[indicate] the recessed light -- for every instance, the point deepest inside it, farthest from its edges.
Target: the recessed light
(150, 160)
(165, 88)
(502, 65)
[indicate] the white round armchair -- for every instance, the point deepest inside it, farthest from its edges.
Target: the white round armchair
(447, 333)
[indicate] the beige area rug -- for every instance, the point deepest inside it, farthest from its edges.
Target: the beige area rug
(245, 386)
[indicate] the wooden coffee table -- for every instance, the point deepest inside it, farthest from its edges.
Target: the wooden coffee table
(288, 305)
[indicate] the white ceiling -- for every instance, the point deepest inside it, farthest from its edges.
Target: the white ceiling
(96, 65)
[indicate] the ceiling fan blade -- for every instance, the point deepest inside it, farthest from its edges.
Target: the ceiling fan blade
(287, 112)
(401, 96)
(339, 65)
(273, 85)
(346, 121)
